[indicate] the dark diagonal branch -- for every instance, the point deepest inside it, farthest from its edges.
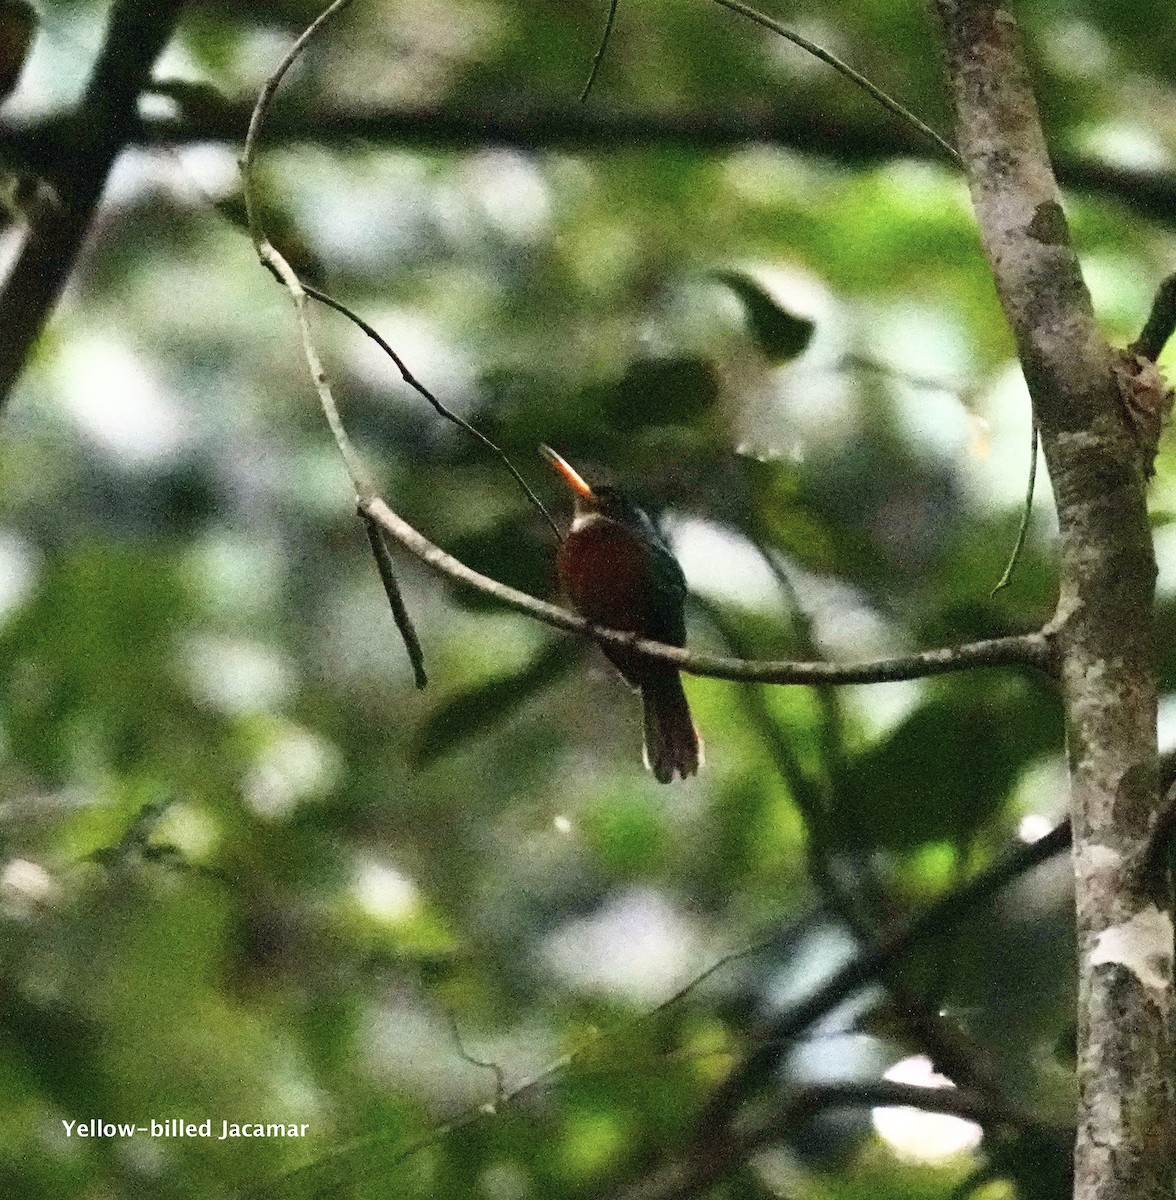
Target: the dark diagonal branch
(1030, 649)
(950, 910)
(1161, 323)
(95, 134)
(719, 1142)
(540, 124)
(855, 897)
(692, 1175)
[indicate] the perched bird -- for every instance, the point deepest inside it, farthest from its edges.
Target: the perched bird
(619, 574)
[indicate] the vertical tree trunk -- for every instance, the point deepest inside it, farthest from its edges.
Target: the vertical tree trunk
(1098, 467)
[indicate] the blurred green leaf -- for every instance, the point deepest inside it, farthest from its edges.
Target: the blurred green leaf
(628, 834)
(781, 335)
(944, 771)
(475, 712)
(90, 664)
(18, 26)
(506, 550)
(660, 391)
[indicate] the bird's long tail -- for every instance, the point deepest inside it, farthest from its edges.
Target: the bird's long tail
(672, 744)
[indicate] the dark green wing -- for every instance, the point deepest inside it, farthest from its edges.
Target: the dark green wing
(667, 598)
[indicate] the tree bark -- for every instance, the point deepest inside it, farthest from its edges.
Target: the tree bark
(1098, 466)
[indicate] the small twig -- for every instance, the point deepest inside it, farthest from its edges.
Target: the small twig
(1026, 514)
(757, 946)
(810, 798)
(873, 366)
(359, 1154)
(887, 102)
(500, 1092)
(1161, 323)
(439, 408)
(505, 1098)
(832, 731)
(598, 58)
(408, 633)
(1029, 649)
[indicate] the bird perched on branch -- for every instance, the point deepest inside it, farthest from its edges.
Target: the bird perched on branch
(619, 574)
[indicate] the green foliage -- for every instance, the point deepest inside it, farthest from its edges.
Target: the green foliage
(780, 334)
(249, 873)
(944, 772)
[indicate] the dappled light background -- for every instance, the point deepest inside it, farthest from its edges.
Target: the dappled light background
(250, 873)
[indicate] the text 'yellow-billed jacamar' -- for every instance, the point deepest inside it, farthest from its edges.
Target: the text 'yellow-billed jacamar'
(620, 574)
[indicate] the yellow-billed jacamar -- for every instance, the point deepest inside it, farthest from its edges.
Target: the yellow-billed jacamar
(620, 574)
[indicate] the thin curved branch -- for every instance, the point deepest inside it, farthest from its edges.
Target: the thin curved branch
(1026, 512)
(598, 57)
(440, 409)
(276, 263)
(261, 110)
(1029, 649)
(843, 68)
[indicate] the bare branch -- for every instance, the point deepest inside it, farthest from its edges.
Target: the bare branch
(408, 633)
(1030, 649)
(776, 1035)
(281, 269)
(1161, 323)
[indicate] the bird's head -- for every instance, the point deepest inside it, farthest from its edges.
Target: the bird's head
(600, 500)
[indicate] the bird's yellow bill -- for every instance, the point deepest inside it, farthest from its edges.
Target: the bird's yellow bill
(573, 477)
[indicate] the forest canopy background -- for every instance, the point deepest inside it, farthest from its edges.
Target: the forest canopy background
(249, 872)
